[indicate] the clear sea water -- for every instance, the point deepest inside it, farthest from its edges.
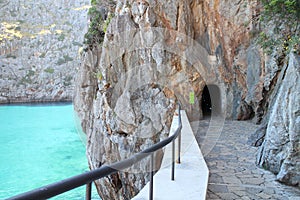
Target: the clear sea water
(39, 145)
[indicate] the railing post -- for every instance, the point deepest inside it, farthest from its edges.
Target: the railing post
(173, 161)
(179, 147)
(151, 177)
(88, 191)
(179, 136)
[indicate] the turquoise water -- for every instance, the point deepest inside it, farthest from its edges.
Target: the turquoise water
(39, 145)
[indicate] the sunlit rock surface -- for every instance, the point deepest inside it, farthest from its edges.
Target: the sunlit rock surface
(281, 148)
(39, 45)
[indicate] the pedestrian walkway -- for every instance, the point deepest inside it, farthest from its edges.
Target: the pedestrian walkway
(231, 163)
(191, 176)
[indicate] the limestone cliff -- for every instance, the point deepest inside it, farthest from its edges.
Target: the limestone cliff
(155, 53)
(280, 150)
(39, 43)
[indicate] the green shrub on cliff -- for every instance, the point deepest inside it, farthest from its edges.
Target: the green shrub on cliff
(49, 70)
(95, 34)
(285, 15)
(107, 22)
(283, 8)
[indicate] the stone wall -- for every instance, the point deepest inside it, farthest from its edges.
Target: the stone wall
(39, 43)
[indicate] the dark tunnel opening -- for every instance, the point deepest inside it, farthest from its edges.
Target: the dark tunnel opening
(206, 102)
(211, 101)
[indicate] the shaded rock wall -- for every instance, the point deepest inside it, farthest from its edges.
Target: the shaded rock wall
(226, 29)
(39, 49)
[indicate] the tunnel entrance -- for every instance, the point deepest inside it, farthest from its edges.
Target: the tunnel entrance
(211, 101)
(206, 102)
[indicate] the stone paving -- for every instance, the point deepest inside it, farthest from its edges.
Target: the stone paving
(231, 162)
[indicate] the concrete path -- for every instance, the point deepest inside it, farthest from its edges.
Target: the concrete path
(231, 163)
(191, 176)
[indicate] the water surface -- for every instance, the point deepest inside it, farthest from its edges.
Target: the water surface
(39, 144)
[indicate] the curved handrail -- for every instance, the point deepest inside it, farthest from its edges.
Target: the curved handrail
(68, 184)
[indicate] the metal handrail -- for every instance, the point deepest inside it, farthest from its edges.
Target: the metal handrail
(87, 178)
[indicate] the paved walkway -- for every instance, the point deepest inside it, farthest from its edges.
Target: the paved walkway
(231, 163)
(191, 176)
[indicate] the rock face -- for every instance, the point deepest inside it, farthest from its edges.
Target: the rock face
(280, 150)
(39, 49)
(158, 52)
(85, 90)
